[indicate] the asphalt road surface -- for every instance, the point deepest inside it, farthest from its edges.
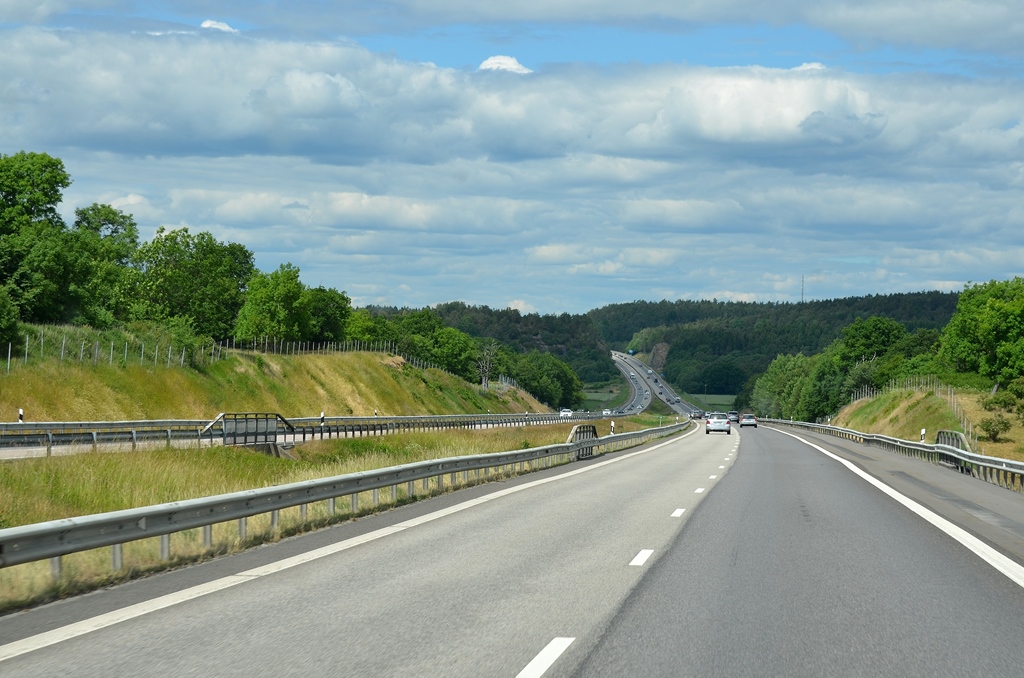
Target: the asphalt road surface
(749, 554)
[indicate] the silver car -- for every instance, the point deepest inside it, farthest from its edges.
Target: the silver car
(718, 421)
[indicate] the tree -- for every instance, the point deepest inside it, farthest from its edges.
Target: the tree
(329, 310)
(31, 188)
(986, 333)
(454, 351)
(178, 273)
(275, 306)
(8, 317)
(107, 239)
(485, 362)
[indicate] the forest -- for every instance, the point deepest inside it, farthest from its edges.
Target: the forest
(982, 346)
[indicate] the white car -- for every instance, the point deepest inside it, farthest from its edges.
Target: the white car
(718, 421)
(606, 413)
(565, 413)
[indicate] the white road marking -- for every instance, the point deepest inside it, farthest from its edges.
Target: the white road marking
(102, 621)
(712, 477)
(1011, 569)
(698, 490)
(543, 661)
(678, 512)
(721, 467)
(641, 557)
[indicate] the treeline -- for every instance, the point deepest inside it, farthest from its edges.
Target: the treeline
(571, 338)
(729, 344)
(96, 272)
(981, 345)
(618, 323)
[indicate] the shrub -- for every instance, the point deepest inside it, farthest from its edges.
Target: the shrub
(1016, 387)
(995, 427)
(1002, 400)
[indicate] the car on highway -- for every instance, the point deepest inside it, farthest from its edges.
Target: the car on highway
(733, 415)
(606, 413)
(718, 421)
(565, 413)
(748, 420)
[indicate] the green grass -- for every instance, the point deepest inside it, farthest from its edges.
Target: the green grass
(900, 414)
(42, 489)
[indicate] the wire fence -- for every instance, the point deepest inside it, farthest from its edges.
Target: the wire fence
(62, 345)
(925, 383)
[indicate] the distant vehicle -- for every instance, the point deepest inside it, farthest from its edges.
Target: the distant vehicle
(632, 374)
(734, 415)
(565, 413)
(748, 420)
(606, 413)
(647, 393)
(650, 371)
(717, 421)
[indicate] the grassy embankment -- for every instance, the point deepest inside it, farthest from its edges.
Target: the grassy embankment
(340, 384)
(903, 413)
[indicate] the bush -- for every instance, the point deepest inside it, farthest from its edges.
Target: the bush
(995, 427)
(1016, 387)
(1002, 400)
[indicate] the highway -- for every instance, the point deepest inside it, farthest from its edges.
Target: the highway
(644, 385)
(749, 554)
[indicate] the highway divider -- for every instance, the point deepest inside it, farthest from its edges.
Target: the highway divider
(54, 539)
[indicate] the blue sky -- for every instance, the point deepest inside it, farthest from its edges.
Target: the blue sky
(726, 150)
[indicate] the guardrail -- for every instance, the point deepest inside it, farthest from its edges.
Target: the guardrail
(58, 538)
(1003, 472)
(94, 433)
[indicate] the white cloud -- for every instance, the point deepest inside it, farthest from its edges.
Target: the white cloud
(218, 26)
(572, 188)
(503, 63)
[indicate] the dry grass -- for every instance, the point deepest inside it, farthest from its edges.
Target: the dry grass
(42, 489)
(902, 414)
(297, 386)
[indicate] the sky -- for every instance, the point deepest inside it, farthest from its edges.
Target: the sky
(551, 156)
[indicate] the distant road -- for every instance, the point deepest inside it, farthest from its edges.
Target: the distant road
(748, 554)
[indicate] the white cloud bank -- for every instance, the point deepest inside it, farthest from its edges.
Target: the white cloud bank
(578, 186)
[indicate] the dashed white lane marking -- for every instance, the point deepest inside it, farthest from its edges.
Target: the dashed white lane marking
(543, 661)
(1001, 563)
(721, 467)
(641, 557)
(698, 490)
(102, 621)
(712, 477)
(678, 512)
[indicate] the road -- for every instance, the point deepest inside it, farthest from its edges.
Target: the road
(748, 554)
(645, 384)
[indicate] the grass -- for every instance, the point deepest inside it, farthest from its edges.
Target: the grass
(42, 489)
(339, 384)
(903, 413)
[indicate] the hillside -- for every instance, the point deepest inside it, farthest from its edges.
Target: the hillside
(339, 384)
(903, 413)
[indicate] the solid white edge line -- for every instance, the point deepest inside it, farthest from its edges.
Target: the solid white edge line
(641, 558)
(677, 513)
(543, 661)
(1006, 566)
(102, 621)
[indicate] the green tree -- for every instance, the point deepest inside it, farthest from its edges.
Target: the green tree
(196, 276)
(275, 306)
(986, 333)
(107, 240)
(455, 351)
(8, 317)
(329, 311)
